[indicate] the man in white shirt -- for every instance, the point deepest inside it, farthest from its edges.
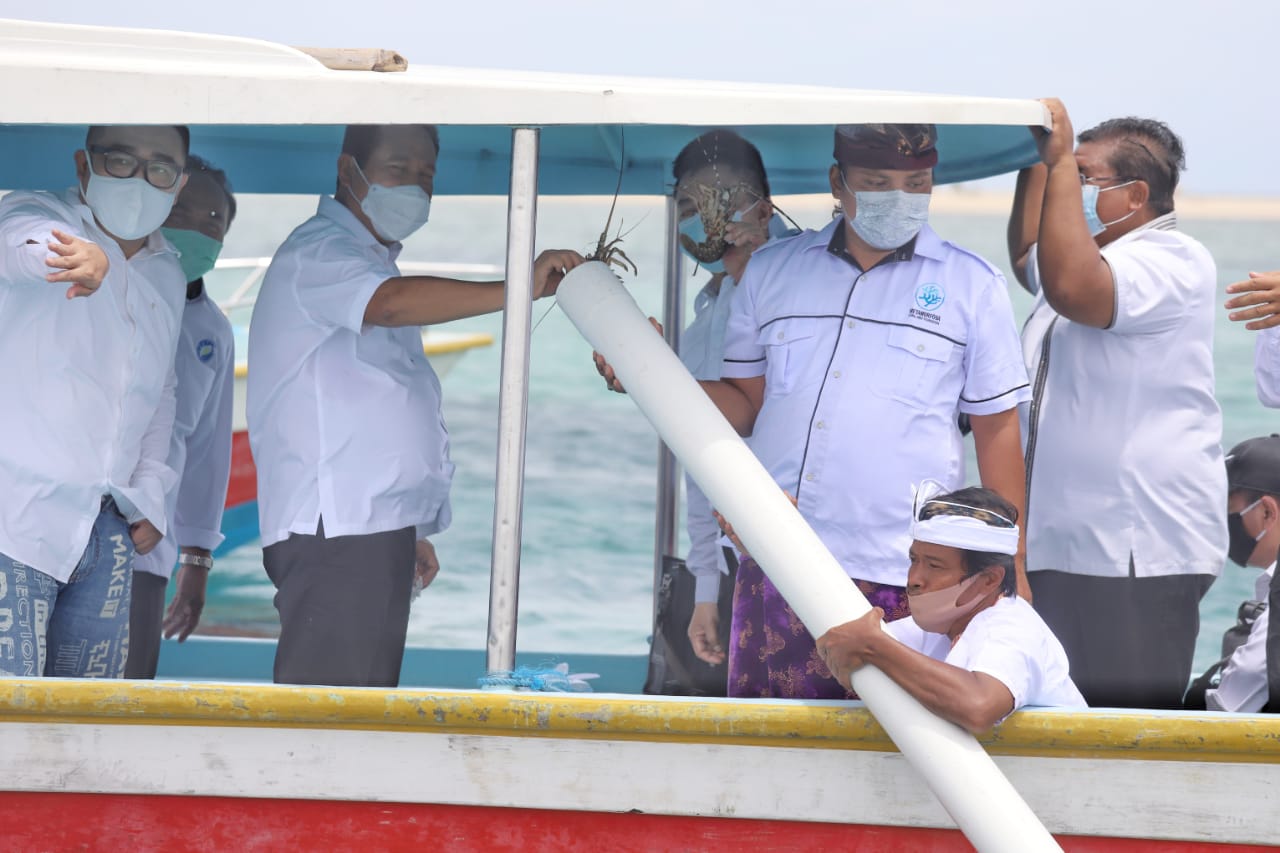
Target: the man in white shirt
(200, 448)
(972, 651)
(344, 411)
(1123, 443)
(1256, 303)
(848, 354)
(1253, 520)
(84, 469)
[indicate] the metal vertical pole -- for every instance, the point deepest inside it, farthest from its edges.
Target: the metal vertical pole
(666, 525)
(513, 401)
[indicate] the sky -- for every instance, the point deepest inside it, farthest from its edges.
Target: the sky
(1208, 69)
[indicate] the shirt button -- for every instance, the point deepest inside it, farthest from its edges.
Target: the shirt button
(836, 374)
(809, 477)
(822, 424)
(919, 347)
(848, 324)
(782, 336)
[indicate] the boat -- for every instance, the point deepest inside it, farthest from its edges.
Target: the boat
(211, 758)
(234, 287)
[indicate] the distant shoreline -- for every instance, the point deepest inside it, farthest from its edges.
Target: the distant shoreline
(997, 202)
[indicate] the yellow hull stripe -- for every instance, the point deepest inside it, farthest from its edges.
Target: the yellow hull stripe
(1094, 734)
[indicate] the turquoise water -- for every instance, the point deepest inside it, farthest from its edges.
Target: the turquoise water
(586, 569)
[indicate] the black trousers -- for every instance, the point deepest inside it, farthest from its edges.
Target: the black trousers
(343, 605)
(1130, 640)
(146, 614)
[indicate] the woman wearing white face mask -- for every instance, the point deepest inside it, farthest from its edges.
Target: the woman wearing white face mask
(973, 651)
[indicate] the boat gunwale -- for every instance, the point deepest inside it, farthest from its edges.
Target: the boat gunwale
(1099, 733)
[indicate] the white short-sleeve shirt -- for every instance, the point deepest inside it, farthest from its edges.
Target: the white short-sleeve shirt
(865, 374)
(1266, 366)
(344, 419)
(1009, 642)
(89, 383)
(701, 352)
(1243, 686)
(1124, 452)
(200, 448)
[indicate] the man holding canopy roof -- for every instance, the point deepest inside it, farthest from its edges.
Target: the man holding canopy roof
(973, 651)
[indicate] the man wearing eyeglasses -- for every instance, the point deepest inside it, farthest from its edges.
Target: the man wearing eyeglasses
(91, 301)
(1125, 472)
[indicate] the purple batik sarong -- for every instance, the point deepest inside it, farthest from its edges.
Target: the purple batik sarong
(772, 654)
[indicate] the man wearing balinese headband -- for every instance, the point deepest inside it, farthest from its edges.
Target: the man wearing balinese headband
(200, 448)
(1126, 482)
(848, 353)
(344, 411)
(972, 652)
(83, 459)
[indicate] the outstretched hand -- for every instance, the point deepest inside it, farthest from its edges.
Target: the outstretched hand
(606, 370)
(551, 267)
(1258, 302)
(78, 261)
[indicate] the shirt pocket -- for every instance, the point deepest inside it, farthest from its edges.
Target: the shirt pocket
(911, 367)
(789, 346)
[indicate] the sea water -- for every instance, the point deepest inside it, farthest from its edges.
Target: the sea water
(590, 485)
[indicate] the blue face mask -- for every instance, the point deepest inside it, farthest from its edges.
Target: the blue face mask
(695, 230)
(1089, 194)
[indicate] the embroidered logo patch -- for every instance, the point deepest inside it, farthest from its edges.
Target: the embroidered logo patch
(204, 350)
(930, 296)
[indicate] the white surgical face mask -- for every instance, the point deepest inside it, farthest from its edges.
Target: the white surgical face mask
(1089, 195)
(887, 219)
(128, 208)
(395, 212)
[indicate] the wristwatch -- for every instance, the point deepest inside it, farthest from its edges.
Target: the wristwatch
(195, 560)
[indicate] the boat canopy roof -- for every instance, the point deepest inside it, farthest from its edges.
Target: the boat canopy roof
(273, 116)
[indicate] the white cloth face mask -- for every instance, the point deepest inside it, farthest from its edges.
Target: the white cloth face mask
(395, 212)
(128, 208)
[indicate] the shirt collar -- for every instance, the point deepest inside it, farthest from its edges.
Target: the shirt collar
(1164, 222)
(332, 209)
(156, 243)
(1262, 586)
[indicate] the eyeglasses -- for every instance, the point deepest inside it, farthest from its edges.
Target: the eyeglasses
(1085, 180)
(161, 174)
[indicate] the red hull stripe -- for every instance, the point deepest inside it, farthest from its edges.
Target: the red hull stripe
(48, 821)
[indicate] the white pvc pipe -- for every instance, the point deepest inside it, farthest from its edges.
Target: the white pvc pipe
(961, 774)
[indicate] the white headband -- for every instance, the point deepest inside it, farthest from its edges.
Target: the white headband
(959, 531)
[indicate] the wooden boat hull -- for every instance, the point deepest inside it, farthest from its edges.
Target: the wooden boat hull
(277, 766)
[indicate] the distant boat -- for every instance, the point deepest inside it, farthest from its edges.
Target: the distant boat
(236, 298)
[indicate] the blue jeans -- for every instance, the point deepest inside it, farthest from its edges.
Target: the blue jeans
(77, 629)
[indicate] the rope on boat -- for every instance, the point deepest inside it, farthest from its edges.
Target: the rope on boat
(548, 679)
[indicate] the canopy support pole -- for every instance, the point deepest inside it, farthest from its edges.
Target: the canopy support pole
(665, 526)
(513, 401)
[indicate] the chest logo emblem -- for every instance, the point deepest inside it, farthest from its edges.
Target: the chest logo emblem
(204, 350)
(930, 296)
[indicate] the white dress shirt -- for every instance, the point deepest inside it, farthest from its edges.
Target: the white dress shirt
(92, 380)
(344, 418)
(1009, 642)
(1243, 686)
(1266, 366)
(200, 449)
(1124, 452)
(865, 373)
(702, 351)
